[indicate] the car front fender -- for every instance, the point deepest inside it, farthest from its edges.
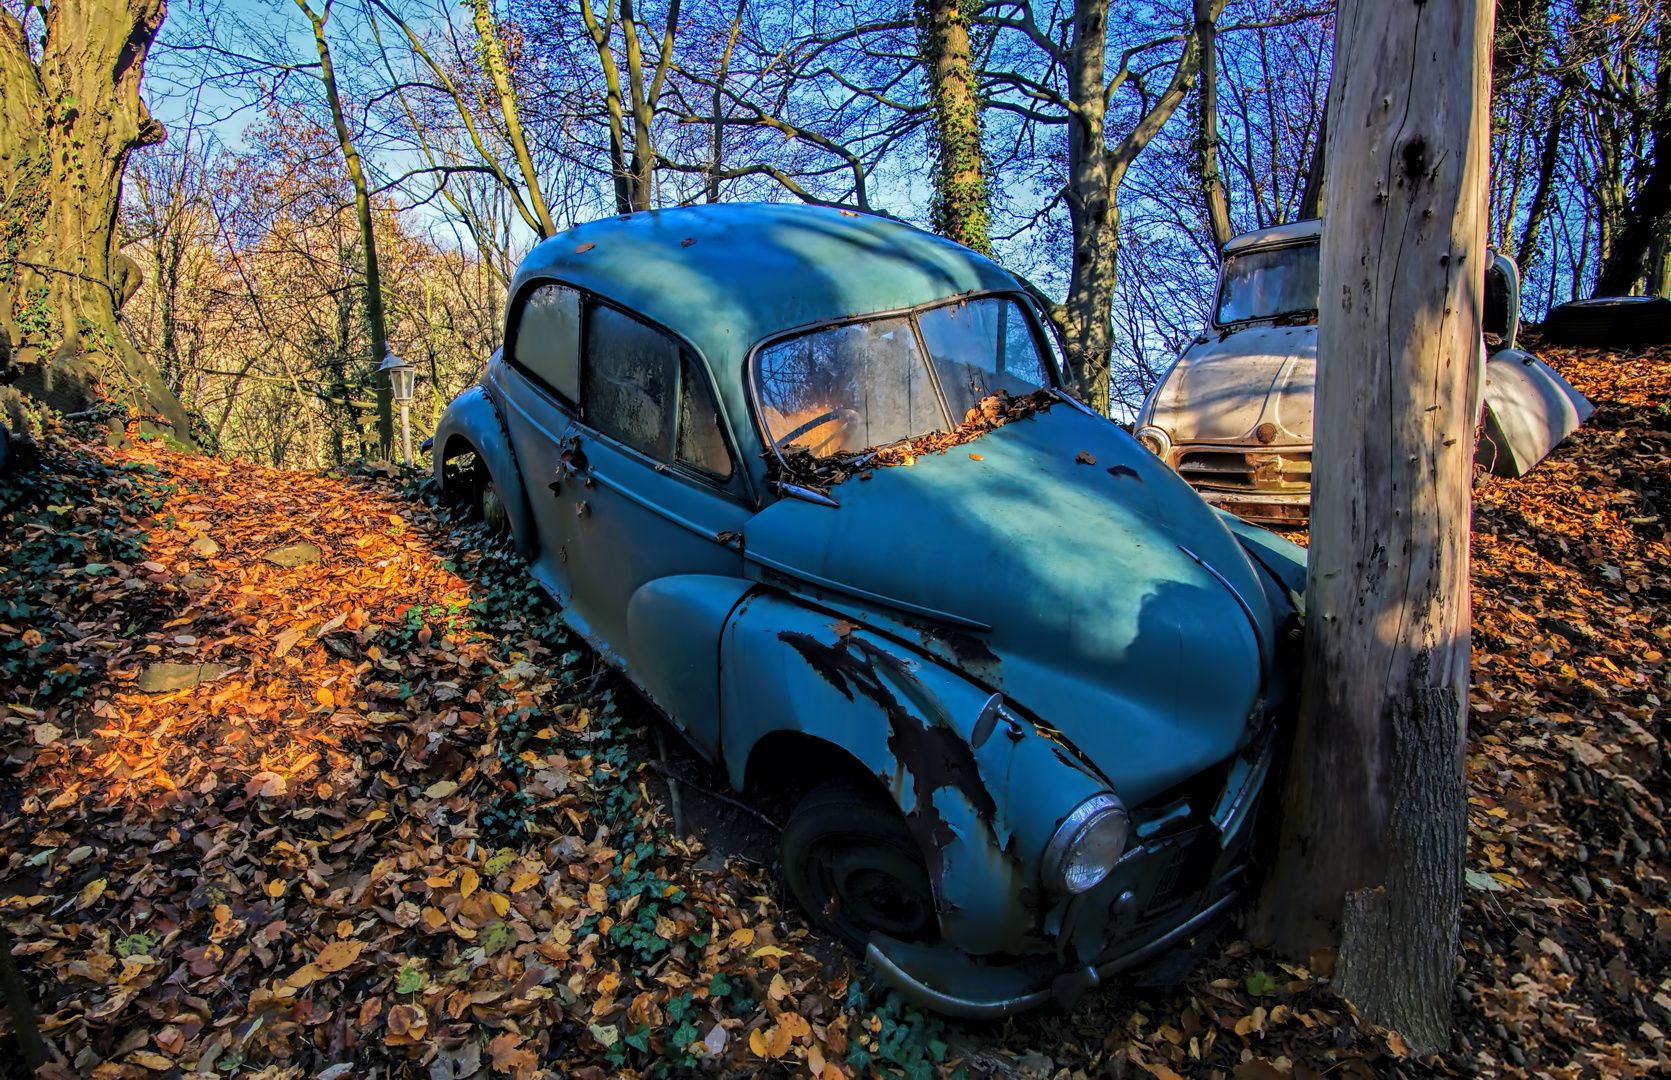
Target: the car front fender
(982, 815)
(472, 422)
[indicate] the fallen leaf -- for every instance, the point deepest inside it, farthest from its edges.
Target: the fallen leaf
(338, 955)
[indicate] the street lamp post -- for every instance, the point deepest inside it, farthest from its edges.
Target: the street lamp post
(402, 377)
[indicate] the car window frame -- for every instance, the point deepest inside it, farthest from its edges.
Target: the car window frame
(736, 486)
(513, 327)
(1218, 290)
(1020, 298)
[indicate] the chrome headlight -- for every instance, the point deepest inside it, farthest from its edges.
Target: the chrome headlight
(1155, 440)
(1086, 845)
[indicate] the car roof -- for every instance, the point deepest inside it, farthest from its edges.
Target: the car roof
(726, 275)
(1292, 233)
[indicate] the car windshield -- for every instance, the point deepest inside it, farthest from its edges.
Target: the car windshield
(873, 383)
(1268, 284)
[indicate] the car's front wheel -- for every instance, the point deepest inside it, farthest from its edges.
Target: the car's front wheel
(855, 867)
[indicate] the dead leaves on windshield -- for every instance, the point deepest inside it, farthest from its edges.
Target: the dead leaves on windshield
(800, 467)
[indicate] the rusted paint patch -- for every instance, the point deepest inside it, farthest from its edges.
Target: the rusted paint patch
(936, 756)
(967, 651)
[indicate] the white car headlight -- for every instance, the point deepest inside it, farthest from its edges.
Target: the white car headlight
(1155, 440)
(1086, 845)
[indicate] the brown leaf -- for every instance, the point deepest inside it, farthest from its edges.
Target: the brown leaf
(338, 955)
(1085, 457)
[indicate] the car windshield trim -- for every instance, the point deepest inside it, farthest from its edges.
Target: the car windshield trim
(1262, 249)
(1035, 329)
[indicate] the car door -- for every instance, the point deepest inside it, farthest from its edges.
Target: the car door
(540, 386)
(659, 492)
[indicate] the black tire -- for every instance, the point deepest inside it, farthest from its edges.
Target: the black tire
(1610, 320)
(471, 489)
(854, 867)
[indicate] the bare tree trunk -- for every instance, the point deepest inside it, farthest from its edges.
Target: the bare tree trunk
(1648, 214)
(1374, 827)
(1212, 177)
(1311, 201)
(716, 137)
(493, 59)
(1543, 192)
(68, 121)
(960, 211)
(368, 237)
(1095, 172)
(599, 32)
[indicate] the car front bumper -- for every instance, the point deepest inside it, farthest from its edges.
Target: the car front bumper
(1165, 890)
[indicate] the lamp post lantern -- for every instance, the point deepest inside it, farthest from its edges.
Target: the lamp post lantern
(402, 379)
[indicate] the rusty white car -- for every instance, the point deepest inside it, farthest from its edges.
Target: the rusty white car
(1233, 414)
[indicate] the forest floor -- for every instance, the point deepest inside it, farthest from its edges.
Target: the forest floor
(304, 780)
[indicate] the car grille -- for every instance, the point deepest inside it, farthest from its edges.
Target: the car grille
(1257, 470)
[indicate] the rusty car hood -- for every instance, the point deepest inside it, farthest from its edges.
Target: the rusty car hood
(1059, 563)
(1224, 388)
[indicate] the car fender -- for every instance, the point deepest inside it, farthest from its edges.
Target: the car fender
(982, 815)
(472, 418)
(675, 625)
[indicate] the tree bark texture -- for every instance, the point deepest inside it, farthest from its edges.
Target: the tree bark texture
(1311, 199)
(1095, 172)
(1373, 835)
(960, 211)
(68, 122)
(1543, 192)
(1648, 214)
(1212, 177)
(376, 325)
(493, 59)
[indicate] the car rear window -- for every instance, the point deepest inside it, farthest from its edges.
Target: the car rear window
(630, 381)
(701, 442)
(548, 338)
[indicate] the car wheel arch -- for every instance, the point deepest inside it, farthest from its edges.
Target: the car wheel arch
(472, 424)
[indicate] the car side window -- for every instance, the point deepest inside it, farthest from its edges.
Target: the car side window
(548, 338)
(701, 443)
(630, 381)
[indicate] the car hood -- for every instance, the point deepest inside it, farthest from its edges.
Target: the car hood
(1223, 389)
(1075, 574)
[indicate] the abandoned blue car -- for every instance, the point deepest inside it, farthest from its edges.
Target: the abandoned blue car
(811, 481)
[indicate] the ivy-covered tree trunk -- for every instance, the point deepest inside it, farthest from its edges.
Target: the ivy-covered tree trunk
(960, 210)
(69, 116)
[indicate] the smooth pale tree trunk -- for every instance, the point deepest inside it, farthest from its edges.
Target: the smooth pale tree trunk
(492, 57)
(960, 210)
(1374, 826)
(70, 115)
